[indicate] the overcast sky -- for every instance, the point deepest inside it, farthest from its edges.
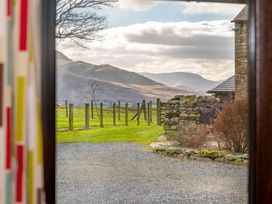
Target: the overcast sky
(159, 37)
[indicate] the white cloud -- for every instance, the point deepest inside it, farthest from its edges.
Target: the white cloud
(136, 5)
(198, 8)
(204, 47)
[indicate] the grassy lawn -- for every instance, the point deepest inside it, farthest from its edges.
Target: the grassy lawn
(120, 133)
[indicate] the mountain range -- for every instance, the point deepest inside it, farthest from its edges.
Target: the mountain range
(183, 80)
(74, 79)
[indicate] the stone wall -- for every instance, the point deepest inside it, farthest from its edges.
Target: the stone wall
(241, 70)
(200, 154)
(189, 110)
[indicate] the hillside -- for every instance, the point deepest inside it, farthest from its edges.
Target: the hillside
(74, 77)
(183, 80)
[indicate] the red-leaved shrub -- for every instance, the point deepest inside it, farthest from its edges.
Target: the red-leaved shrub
(231, 126)
(193, 136)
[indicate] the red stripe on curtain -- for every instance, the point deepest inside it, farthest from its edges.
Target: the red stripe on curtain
(19, 179)
(8, 140)
(23, 24)
(9, 7)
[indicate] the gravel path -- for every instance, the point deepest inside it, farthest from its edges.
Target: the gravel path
(130, 174)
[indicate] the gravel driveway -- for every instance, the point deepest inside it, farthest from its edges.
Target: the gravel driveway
(129, 173)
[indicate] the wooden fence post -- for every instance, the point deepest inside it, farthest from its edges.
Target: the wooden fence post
(71, 116)
(66, 108)
(158, 111)
(101, 115)
(92, 114)
(151, 114)
(87, 116)
(114, 114)
(144, 108)
(148, 113)
(138, 114)
(119, 110)
(126, 114)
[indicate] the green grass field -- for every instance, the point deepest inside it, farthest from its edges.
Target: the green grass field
(120, 133)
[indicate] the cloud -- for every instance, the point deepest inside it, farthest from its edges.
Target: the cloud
(192, 8)
(196, 8)
(136, 5)
(184, 39)
(217, 34)
(200, 47)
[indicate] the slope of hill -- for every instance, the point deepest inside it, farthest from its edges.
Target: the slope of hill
(183, 80)
(74, 78)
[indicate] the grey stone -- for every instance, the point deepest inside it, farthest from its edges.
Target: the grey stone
(242, 156)
(162, 138)
(238, 161)
(180, 156)
(245, 162)
(230, 157)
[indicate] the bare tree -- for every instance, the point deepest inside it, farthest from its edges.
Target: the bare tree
(79, 20)
(94, 84)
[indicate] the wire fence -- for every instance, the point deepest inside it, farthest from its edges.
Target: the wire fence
(100, 115)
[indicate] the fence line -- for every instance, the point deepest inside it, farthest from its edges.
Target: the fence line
(151, 105)
(71, 116)
(126, 114)
(119, 110)
(87, 116)
(138, 114)
(148, 113)
(114, 114)
(92, 112)
(158, 111)
(145, 107)
(66, 108)
(101, 115)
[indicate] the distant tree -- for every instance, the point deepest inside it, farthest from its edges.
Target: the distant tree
(93, 85)
(79, 20)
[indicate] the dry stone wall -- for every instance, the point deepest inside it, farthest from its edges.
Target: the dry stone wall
(189, 110)
(200, 154)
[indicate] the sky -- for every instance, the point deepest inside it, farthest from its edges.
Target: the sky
(163, 37)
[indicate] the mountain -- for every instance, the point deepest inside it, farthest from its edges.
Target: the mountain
(183, 80)
(74, 79)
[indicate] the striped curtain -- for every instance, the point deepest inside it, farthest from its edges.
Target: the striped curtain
(21, 154)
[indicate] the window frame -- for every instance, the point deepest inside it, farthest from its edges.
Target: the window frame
(259, 92)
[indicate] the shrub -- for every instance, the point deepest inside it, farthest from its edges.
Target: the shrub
(230, 127)
(193, 136)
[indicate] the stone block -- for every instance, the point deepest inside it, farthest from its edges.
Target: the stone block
(220, 159)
